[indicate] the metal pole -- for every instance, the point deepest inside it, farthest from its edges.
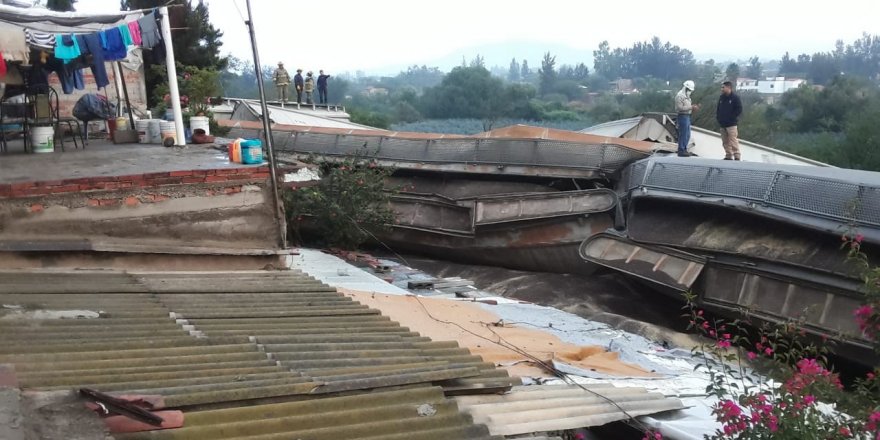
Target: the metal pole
(171, 65)
(267, 129)
(125, 91)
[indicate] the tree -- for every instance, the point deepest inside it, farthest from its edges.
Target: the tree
(514, 73)
(472, 92)
(644, 59)
(547, 73)
(581, 72)
(478, 61)
(195, 40)
(526, 72)
(60, 5)
(603, 62)
(823, 67)
(787, 65)
(732, 72)
(753, 70)
(861, 149)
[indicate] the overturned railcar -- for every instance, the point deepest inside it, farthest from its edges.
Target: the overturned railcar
(749, 238)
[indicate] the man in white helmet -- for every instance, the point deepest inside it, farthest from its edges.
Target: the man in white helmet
(684, 107)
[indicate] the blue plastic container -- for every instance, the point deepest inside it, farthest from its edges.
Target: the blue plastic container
(252, 152)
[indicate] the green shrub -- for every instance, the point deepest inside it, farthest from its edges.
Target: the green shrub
(345, 206)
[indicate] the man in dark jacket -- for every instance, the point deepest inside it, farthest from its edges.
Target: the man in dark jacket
(298, 84)
(727, 114)
(322, 87)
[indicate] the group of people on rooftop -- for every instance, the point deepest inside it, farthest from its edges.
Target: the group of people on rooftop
(300, 84)
(727, 114)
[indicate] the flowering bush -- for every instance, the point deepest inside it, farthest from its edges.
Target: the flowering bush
(784, 402)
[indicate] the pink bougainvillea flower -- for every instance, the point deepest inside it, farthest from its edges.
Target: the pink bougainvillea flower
(752, 356)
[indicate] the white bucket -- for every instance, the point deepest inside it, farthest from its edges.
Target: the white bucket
(169, 131)
(199, 122)
(154, 131)
(43, 139)
(142, 126)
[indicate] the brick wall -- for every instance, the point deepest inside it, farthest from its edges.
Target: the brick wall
(135, 181)
(134, 80)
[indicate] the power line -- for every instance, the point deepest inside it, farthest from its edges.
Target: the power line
(549, 367)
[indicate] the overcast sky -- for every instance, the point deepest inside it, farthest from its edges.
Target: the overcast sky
(349, 35)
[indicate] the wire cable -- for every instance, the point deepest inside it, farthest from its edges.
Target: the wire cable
(549, 367)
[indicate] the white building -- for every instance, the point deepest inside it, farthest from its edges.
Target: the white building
(770, 89)
(746, 85)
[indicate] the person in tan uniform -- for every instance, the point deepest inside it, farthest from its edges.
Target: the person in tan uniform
(282, 81)
(309, 87)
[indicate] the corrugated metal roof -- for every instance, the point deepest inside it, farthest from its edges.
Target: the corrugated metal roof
(616, 128)
(547, 408)
(225, 340)
(291, 116)
(554, 134)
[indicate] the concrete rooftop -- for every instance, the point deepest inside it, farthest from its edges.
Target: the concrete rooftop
(102, 158)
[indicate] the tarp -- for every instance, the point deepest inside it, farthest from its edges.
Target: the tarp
(42, 19)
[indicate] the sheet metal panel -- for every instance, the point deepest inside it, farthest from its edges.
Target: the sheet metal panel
(205, 340)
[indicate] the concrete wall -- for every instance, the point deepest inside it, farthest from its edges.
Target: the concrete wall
(178, 212)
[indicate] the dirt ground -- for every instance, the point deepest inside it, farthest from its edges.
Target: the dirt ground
(604, 297)
(474, 327)
(59, 415)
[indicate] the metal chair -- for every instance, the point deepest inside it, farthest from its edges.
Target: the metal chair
(13, 113)
(47, 111)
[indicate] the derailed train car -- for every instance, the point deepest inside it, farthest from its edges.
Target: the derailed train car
(749, 238)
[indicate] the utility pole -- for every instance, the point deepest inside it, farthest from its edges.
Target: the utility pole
(270, 149)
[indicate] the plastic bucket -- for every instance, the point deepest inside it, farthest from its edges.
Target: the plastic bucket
(154, 131)
(143, 128)
(121, 123)
(43, 139)
(252, 152)
(169, 131)
(199, 122)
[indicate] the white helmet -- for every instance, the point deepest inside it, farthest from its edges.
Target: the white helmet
(689, 85)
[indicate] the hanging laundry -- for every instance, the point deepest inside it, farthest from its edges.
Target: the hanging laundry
(126, 35)
(66, 47)
(41, 40)
(36, 74)
(91, 45)
(70, 75)
(114, 48)
(13, 43)
(150, 36)
(135, 30)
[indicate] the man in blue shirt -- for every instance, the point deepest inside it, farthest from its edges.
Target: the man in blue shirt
(322, 87)
(298, 84)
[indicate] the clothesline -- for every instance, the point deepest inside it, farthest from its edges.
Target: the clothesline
(67, 53)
